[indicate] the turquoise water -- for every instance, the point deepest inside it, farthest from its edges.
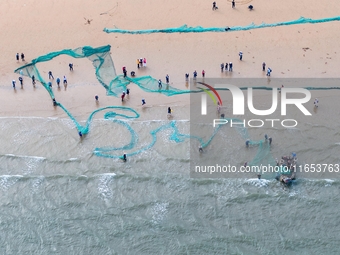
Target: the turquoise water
(57, 197)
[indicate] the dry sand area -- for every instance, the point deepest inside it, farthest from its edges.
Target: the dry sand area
(39, 27)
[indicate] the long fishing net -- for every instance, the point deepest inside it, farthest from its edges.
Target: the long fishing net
(114, 85)
(199, 29)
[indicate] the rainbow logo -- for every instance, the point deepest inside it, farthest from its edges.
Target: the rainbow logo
(208, 91)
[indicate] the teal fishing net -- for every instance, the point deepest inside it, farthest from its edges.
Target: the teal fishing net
(199, 29)
(114, 85)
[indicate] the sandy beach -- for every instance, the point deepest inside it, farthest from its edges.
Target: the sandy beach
(36, 28)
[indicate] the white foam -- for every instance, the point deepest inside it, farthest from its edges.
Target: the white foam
(23, 156)
(72, 159)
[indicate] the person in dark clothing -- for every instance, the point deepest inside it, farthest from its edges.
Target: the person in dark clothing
(195, 74)
(124, 71)
(58, 82)
(214, 7)
(33, 80)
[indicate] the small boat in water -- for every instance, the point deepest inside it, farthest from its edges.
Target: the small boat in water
(288, 166)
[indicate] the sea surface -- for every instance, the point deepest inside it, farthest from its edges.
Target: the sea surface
(59, 197)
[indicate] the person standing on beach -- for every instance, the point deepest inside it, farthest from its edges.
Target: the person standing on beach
(269, 71)
(50, 75)
(316, 103)
(70, 66)
(263, 66)
(167, 79)
(58, 82)
(13, 83)
(241, 55)
(65, 81)
(159, 84)
(22, 57)
(124, 71)
(143, 101)
(203, 73)
(33, 80)
(222, 67)
(195, 75)
(214, 6)
(141, 62)
(17, 56)
(137, 61)
(123, 96)
(21, 80)
(233, 4)
(96, 98)
(230, 66)
(144, 62)
(127, 91)
(226, 66)
(169, 111)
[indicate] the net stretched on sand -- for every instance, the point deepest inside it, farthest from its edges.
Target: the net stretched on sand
(114, 85)
(199, 29)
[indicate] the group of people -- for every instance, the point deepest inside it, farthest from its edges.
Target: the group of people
(214, 5)
(194, 75)
(141, 62)
(50, 76)
(225, 67)
(22, 56)
(125, 93)
(269, 70)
